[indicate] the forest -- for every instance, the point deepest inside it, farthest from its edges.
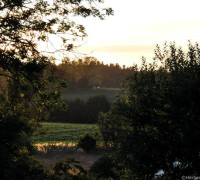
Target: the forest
(149, 131)
(85, 75)
(90, 73)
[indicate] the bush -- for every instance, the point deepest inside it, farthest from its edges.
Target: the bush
(103, 168)
(87, 143)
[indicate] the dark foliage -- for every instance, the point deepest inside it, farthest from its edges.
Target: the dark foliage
(87, 143)
(69, 169)
(76, 113)
(156, 123)
(89, 73)
(95, 105)
(28, 88)
(103, 168)
(27, 167)
(82, 112)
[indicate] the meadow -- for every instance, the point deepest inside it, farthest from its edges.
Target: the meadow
(69, 132)
(62, 132)
(56, 141)
(84, 94)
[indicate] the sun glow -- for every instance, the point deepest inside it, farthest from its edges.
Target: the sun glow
(138, 26)
(135, 29)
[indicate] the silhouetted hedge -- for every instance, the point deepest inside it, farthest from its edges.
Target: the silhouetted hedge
(82, 112)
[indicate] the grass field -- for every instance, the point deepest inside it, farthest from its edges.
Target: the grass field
(110, 93)
(62, 132)
(70, 133)
(55, 142)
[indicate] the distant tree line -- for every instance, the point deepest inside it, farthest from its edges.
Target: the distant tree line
(82, 112)
(90, 73)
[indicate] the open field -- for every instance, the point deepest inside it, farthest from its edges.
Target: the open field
(84, 94)
(56, 141)
(62, 132)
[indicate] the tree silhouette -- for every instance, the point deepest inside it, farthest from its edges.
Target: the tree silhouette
(155, 124)
(28, 88)
(89, 72)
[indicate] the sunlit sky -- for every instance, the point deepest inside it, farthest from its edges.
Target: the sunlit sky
(137, 26)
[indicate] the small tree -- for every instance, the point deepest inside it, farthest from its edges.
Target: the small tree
(155, 124)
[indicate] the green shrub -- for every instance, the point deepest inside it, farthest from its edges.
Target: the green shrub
(87, 143)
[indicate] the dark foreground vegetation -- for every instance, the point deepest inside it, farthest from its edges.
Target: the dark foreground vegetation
(155, 124)
(29, 90)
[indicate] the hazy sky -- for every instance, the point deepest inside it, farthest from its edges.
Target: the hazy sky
(137, 26)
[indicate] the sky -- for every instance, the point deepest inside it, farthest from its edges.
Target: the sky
(137, 27)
